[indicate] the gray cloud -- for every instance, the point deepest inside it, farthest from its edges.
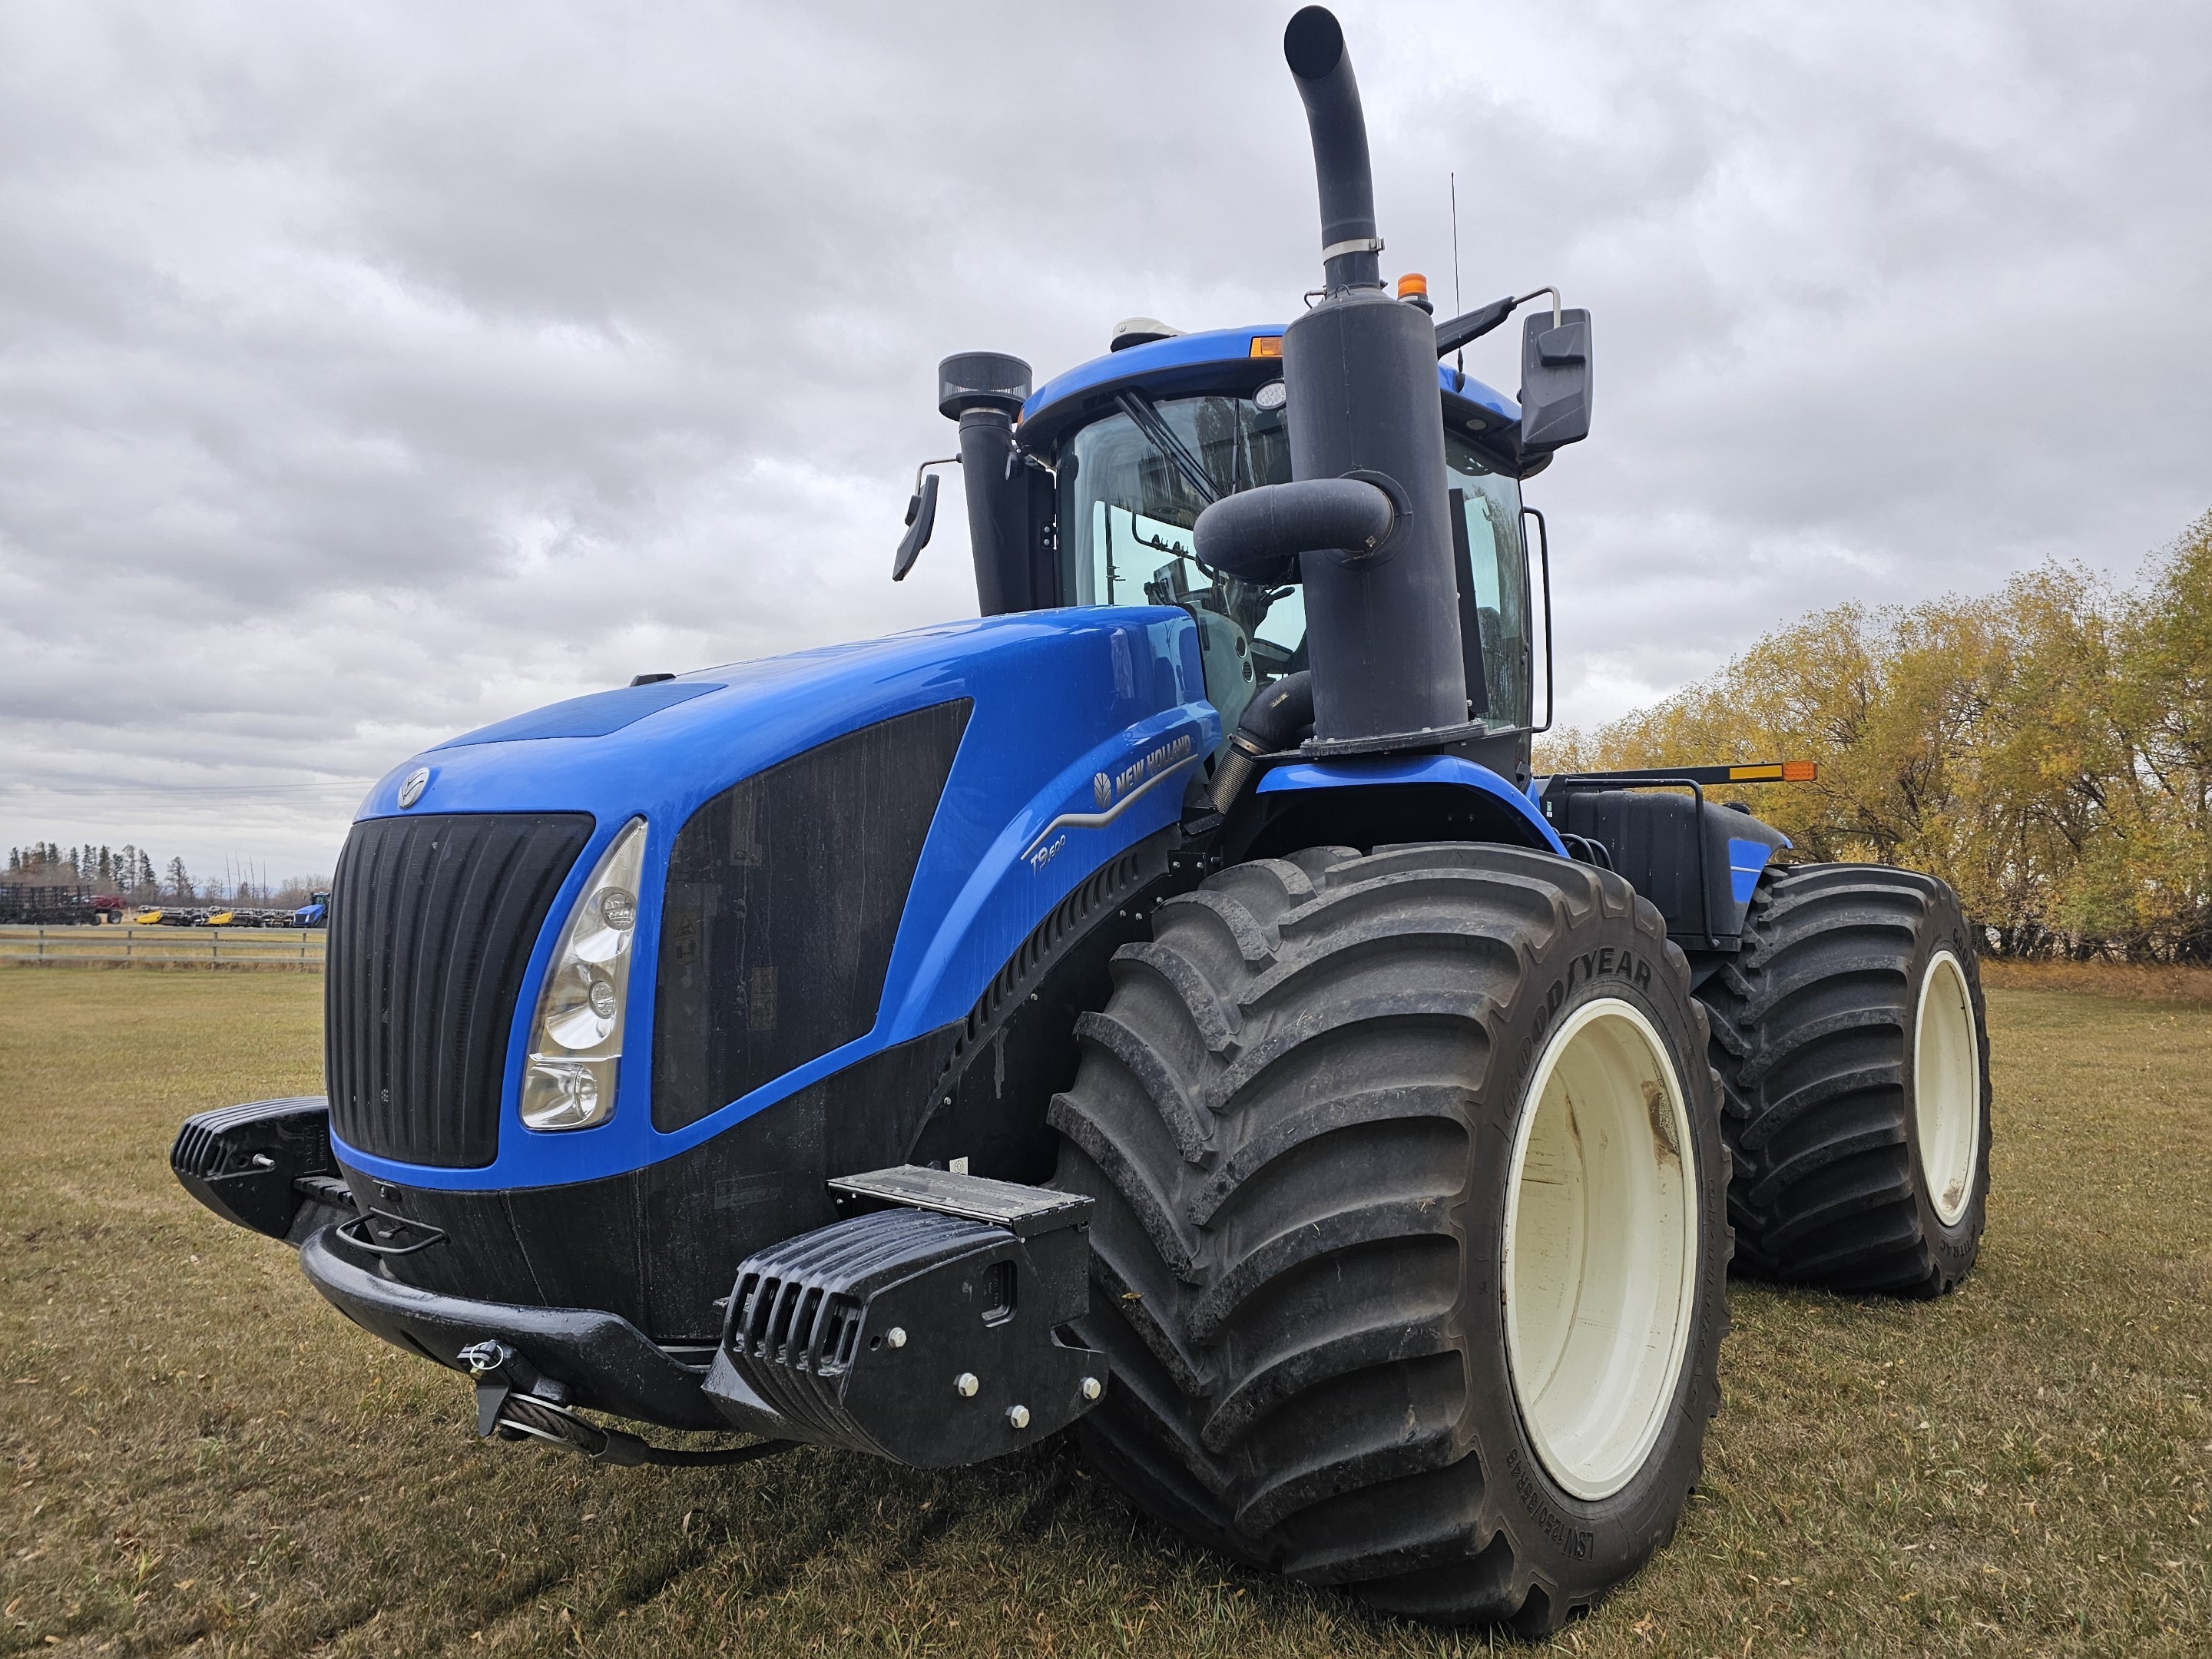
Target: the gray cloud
(365, 374)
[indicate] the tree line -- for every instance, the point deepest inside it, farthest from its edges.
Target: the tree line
(2046, 748)
(129, 871)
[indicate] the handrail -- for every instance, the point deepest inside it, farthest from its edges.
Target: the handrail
(1544, 541)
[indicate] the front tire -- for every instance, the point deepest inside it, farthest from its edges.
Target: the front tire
(1850, 1037)
(1411, 1245)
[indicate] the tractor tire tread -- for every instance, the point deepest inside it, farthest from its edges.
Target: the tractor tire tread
(1279, 1315)
(1812, 1029)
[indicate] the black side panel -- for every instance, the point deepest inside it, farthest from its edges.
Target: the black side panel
(432, 923)
(1276, 825)
(1658, 841)
(1653, 841)
(784, 894)
(765, 1179)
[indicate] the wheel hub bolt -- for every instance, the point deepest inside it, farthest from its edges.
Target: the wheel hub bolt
(965, 1385)
(1018, 1416)
(1092, 1388)
(896, 1336)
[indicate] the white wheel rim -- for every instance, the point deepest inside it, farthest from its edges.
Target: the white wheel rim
(1600, 1248)
(1946, 1089)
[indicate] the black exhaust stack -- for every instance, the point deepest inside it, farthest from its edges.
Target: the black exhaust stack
(1313, 44)
(1381, 618)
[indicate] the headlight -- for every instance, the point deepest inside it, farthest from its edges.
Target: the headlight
(575, 1042)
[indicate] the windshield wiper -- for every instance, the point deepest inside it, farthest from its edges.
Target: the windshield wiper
(1145, 417)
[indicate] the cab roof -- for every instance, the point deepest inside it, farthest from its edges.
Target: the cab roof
(1224, 361)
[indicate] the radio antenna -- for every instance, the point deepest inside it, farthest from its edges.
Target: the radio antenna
(1459, 362)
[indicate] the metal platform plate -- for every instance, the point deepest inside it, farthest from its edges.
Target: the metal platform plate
(1022, 1210)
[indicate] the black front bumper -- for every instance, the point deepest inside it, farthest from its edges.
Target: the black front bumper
(267, 1165)
(925, 1327)
(607, 1363)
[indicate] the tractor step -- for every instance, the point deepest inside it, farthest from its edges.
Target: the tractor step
(926, 1331)
(1022, 1210)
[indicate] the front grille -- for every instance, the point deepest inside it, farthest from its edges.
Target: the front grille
(432, 923)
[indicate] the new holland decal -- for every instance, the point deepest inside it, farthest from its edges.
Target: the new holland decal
(1114, 794)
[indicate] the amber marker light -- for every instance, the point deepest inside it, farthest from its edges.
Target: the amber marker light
(1266, 345)
(1413, 283)
(1774, 772)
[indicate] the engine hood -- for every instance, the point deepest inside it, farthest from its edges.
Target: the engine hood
(1071, 712)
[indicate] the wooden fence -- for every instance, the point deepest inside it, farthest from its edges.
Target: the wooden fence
(297, 949)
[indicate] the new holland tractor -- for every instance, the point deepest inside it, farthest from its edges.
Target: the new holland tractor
(1166, 1004)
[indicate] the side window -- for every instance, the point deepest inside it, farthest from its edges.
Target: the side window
(1491, 505)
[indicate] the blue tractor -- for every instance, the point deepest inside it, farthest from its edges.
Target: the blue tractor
(1168, 1003)
(315, 913)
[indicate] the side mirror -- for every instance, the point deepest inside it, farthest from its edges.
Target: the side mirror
(1555, 380)
(921, 519)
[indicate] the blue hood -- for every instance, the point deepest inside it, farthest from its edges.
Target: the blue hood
(1062, 699)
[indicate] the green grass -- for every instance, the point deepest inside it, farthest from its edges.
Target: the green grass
(198, 1451)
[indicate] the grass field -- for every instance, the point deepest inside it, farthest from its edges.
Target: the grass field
(200, 1454)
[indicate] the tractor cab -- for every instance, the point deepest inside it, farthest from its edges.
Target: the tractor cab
(1091, 495)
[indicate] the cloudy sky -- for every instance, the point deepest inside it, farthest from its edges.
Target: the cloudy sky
(370, 371)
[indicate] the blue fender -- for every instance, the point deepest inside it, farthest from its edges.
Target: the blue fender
(1366, 772)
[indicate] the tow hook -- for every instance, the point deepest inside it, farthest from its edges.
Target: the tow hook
(515, 1401)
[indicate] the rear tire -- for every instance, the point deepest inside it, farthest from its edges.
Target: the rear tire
(1411, 1247)
(1851, 1038)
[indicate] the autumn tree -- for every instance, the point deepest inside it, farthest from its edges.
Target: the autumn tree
(2047, 749)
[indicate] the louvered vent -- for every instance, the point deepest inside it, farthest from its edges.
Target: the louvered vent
(784, 897)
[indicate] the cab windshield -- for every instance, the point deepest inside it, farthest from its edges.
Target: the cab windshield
(1131, 487)
(1132, 484)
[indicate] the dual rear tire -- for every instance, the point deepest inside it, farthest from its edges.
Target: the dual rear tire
(1851, 1038)
(1411, 1244)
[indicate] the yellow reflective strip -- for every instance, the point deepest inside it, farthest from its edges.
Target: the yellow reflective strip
(1755, 774)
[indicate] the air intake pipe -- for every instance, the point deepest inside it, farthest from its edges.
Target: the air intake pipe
(1273, 720)
(984, 391)
(1360, 367)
